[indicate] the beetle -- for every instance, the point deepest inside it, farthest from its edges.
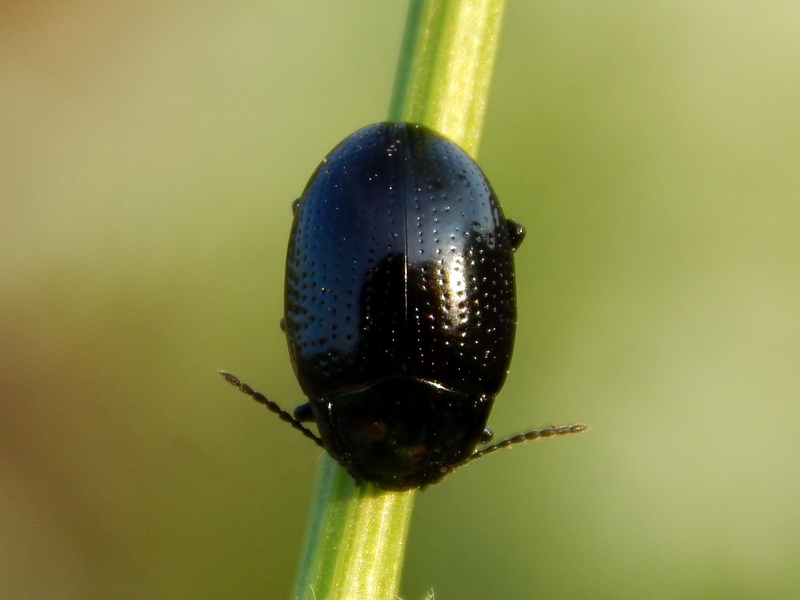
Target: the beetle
(400, 307)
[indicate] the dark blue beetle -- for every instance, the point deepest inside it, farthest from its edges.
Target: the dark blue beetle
(400, 306)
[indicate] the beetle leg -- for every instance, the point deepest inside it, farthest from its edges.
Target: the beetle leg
(547, 432)
(261, 399)
(486, 436)
(516, 232)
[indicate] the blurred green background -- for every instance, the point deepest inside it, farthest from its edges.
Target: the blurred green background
(149, 153)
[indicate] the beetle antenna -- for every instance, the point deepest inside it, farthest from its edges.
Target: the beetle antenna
(547, 432)
(262, 399)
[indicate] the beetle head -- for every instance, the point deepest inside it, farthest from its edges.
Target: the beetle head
(402, 432)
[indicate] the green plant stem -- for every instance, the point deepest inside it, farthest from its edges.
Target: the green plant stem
(445, 67)
(356, 538)
(356, 535)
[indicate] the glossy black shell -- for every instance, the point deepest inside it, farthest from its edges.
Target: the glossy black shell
(400, 303)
